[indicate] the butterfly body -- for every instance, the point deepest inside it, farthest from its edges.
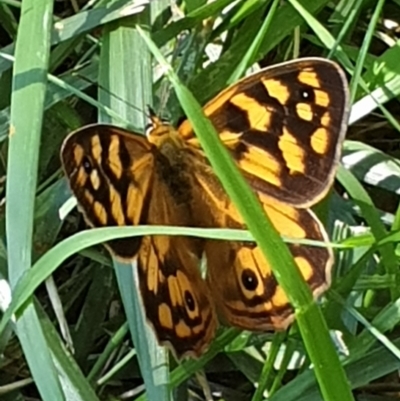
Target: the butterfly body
(284, 127)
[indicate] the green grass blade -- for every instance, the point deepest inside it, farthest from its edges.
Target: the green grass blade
(27, 103)
(364, 49)
(286, 17)
(361, 197)
(251, 55)
(329, 372)
(49, 262)
(128, 78)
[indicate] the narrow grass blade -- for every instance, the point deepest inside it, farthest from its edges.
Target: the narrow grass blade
(126, 71)
(309, 317)
(27, 104)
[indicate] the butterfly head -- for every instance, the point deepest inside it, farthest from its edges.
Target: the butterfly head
(163, 135)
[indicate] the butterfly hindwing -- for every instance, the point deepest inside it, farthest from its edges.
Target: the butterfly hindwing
(245, 291)
(176, 299)
(250, 297)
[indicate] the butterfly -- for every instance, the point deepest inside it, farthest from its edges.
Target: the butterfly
(284, 127)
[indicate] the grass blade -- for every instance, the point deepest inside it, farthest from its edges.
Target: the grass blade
(309, 317)
(27, 104)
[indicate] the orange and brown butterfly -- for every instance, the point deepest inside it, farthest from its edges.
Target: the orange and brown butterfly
(284, 126)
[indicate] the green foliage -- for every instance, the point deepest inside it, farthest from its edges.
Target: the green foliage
(71, 332)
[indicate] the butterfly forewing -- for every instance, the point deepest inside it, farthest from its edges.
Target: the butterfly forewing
(110, 172)
(284, 126)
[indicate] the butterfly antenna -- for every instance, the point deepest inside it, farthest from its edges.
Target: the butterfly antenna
(152, 113)
(91, 82)
(154, 117)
